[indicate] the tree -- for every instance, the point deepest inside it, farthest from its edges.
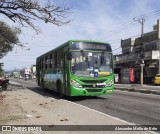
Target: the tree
(1, 71)
(26, 11)
(8, 38)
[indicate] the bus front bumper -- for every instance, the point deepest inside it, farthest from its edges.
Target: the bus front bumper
(91, 91)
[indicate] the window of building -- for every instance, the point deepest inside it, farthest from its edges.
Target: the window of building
(150, 47)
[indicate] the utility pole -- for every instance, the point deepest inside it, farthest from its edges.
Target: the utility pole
(141, 21)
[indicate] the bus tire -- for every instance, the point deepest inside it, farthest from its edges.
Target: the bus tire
(59, 89)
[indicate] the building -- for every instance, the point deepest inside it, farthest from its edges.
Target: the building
(134, 50)
(33, 71)
(30, 72)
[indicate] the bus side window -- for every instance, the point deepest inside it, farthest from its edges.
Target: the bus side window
(39, 64)
(50, 61)
(43, 62)
(55, 62)
(59, 59)
(46, 62)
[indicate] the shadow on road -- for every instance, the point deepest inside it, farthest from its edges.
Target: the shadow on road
(81, 98)
(46, 93)
(50, 93)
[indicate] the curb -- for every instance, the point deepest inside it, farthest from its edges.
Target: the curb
(16, 84)
(146, 91)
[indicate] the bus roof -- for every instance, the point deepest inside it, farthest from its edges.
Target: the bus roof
(68, 42)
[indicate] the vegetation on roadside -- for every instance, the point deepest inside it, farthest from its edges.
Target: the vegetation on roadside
(8, 38)
(1, 72)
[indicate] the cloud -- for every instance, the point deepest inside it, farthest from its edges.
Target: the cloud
(108, 21)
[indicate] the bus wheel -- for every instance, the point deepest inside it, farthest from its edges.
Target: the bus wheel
(59, 89)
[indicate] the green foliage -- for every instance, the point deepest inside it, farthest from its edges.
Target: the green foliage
(8, 38)
(1, 71)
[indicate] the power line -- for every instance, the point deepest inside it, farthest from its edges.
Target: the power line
(117, 29)
(150, 14)
(125, 25)
(116, 49)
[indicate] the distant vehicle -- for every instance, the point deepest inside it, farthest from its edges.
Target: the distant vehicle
(16, 74)
(6, 75)
(4, 83)
(157, 79)
(77, 68)
(27, 73)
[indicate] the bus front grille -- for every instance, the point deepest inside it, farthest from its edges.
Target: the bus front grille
(93, 86)
(93, 81)
(94, 90)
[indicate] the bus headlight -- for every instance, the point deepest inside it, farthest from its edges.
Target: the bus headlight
(75, 84)
(110, 83)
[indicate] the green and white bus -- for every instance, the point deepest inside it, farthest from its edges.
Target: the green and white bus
(77, 68)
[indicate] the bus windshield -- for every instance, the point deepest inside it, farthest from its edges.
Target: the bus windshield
(91, 64)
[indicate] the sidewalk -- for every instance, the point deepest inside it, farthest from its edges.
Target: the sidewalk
(44, 110)
(148, 89)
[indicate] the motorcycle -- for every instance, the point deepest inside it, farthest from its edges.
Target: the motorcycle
(4, 84)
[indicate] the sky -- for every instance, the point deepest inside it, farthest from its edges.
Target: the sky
(102, 20)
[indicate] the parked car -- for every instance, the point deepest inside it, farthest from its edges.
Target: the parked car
(4, 83)
(157, 79)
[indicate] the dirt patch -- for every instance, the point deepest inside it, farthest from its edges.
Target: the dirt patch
(10, 109)
(9, 104)
(6, 118)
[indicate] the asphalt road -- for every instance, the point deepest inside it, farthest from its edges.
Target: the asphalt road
(133, 107)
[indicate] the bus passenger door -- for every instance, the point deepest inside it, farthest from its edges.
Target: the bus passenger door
(66, 77)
